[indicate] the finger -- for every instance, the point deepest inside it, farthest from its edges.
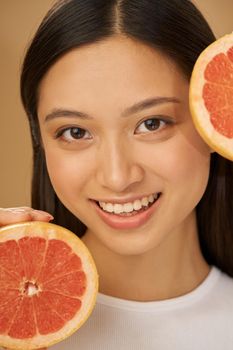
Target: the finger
(21, 214)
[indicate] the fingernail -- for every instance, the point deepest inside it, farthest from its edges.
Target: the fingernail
(49, 216)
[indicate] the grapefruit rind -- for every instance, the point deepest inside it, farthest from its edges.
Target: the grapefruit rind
(200, 115)
(52, 231)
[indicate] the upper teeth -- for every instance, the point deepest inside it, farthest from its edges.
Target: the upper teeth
(130, 206)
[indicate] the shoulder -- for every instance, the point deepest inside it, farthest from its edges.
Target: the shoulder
(224, 283)
(222, 293)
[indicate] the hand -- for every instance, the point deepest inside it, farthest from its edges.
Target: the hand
(10, 216)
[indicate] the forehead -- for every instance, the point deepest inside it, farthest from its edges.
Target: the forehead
(113, 70)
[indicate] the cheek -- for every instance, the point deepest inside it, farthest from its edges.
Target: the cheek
(68, 171)
(181, 163)
(186, 169)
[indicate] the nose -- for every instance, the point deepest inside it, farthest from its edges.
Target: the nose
(118, 168)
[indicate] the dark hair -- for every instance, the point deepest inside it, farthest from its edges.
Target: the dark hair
(176, 28)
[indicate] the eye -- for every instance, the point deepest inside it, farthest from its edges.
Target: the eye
(153, 124)
(73, 133)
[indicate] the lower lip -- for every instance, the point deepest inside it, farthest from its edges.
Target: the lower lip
(126, 222)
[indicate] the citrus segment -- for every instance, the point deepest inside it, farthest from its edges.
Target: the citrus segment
(23, 323)
(7, 313)
(10, 258)
(219, 70)
(8, 296)
(8, 280)
(32, 251)
(64, 306)
(48, 320)
(48, 285)
(72, 284)
(215, 97)
(211, 95)
(58, 260)
(223, 122)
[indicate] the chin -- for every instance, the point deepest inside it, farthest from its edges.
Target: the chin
(129, 243)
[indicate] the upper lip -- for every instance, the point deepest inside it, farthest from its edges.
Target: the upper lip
(124, 200)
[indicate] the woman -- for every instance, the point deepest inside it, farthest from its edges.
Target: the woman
(118, 161)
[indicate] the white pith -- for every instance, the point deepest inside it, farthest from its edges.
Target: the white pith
(29, 288)
(118, 208)
(32, 290)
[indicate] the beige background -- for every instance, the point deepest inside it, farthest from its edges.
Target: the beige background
(18, 21)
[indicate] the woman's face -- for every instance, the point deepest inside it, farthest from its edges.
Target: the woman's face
(117, 133)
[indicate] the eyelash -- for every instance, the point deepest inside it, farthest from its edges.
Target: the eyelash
(60, 134)
(159, 119)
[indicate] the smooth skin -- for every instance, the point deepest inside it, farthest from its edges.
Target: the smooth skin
(116, 155)
(112, 154)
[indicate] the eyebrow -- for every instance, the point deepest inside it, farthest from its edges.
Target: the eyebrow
(137, 107)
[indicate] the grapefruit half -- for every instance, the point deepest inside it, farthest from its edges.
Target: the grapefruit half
(48, 285)
(211, 95)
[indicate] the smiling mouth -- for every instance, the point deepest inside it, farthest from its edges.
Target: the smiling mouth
(129, 209)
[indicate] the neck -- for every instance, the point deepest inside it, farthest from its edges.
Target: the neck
(172, 269)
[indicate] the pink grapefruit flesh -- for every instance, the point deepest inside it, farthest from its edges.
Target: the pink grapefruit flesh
(211, 95)
(48, 285)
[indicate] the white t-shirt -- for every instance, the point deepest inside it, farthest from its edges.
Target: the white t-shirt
(200, 320)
